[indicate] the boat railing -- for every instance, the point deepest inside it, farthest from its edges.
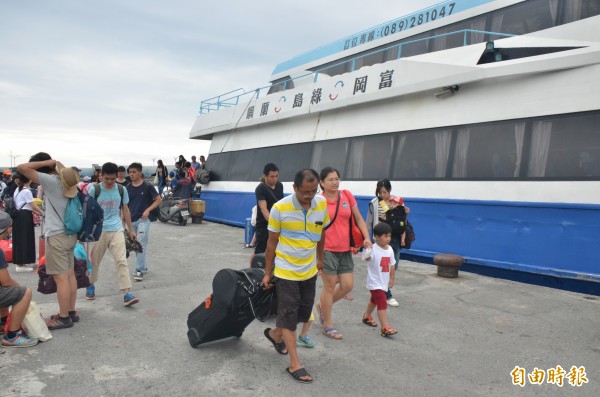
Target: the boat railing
(349, 65)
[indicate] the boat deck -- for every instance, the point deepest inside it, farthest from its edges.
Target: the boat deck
(457, 337)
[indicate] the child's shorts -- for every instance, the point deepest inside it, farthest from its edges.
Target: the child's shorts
(378, 298)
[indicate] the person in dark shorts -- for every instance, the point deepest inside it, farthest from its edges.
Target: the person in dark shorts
(297, 255)
(267, 193)
(12, 294)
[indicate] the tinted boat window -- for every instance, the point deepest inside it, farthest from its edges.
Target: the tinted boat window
(330, 154)
(240, 166)
(415, 156)
(529, 16)
(565, 147)
(218, 164)
(370, 157)
(293, 159)
(488, 151)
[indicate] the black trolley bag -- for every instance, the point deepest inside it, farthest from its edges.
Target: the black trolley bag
(237, 299)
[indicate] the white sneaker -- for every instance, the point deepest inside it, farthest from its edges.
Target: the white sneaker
(393, 302)
(24, 269)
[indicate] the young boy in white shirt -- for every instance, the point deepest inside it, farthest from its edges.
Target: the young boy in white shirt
(380, 277)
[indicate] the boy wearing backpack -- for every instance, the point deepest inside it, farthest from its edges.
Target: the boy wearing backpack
(113, 199)
(143, 199)
(59, 184)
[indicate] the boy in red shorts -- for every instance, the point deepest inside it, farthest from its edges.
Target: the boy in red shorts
(380, 277)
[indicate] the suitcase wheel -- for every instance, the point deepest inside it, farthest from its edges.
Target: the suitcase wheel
(193, 337)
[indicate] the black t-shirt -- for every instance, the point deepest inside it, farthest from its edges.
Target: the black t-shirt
(140, 198)
(271, 196)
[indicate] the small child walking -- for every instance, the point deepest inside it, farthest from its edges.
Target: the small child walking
(380, 277)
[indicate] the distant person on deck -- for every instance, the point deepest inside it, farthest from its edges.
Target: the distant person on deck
(195, 164)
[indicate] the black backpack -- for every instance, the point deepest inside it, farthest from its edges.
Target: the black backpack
(396, 218)
(93, 218)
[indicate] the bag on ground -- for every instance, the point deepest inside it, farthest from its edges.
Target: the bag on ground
(237, 299)
(35, 325)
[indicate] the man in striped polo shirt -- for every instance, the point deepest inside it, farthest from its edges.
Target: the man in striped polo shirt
(295, 248)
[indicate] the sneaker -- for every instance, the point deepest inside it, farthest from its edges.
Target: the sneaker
(23, 269)
(139, 276)
(56, 323)
(393, 302)
(306, 341)
(20, 340)
(90, 292)
(130, 299)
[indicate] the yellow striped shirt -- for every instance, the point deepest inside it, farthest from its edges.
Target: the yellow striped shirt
(299, 232)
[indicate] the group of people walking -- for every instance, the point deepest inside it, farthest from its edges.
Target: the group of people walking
(307, 234)
(128, 204)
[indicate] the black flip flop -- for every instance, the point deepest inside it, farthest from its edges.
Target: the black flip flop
(298, 374)
(279, 347)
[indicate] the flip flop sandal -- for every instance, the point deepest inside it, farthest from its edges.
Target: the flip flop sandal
(279, 347)
(332, 333)
(369, 321)
(298, 374)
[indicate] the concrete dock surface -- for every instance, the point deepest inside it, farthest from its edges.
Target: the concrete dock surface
(457, 337)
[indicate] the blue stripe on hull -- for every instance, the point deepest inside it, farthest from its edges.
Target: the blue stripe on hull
(556, 239)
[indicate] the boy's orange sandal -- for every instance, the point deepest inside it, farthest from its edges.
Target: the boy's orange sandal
(369, 321)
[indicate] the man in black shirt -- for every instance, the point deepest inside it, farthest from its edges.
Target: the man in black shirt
(268, 192)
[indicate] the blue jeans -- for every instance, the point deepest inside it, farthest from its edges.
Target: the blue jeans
(161, 185)
(141, 228)
(395, 244)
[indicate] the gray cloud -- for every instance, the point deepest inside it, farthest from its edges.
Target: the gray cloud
(123, 80)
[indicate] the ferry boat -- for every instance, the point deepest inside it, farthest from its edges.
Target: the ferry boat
(485, 115)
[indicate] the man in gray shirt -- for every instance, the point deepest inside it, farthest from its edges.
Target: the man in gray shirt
(59, 184)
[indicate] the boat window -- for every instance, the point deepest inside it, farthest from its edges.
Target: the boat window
(560, 151)
(416, 154)
(218, 164)
(282, 84)
(488, 151)
(293, 159)
(526, 17)
(330, 154)
(575, 10)
(370, 157)
(240, 162)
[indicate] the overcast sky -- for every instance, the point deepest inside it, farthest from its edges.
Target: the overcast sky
(122, 80)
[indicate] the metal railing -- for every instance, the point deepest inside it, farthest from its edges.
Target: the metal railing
(230, 99)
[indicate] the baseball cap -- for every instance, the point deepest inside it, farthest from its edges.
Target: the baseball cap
(87, 179)
(69, 179)
(7, 172)
(5, 221)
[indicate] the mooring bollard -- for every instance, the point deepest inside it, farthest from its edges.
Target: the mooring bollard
(448, 264)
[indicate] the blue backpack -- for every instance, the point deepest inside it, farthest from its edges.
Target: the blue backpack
(73, 216)
(92, 215)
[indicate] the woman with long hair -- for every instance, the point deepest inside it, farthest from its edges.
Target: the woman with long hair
(23, 232)
(338, 270)
(162, 173)
(383, 202)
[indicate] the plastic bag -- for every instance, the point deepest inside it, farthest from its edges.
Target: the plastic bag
(35, 324)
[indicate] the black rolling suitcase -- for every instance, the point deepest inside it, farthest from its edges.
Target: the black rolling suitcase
(237, 299)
